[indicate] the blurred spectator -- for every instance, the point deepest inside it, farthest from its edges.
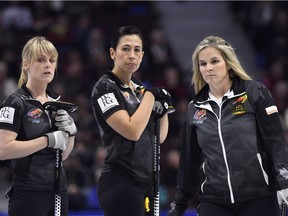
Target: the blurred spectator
(274, 72)
(178, 118)
(260, 16)
(7, 84)
(280, 93)
(9, 56)
(81, 33)
(76, 79)
(273, 38)
(172, 80)
(159, 52)
(92, 196)
(60, 33)
(80, 177)
(43, 16)
(17, 16)
(97, 50)
(169, 174)
(76, 197)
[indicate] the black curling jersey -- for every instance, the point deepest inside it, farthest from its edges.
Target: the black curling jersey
(25, 115)
(130, 158)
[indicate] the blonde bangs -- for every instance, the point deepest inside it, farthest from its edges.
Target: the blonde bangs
(40, 47)
(34, 48)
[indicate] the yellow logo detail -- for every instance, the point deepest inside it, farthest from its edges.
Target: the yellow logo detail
(147, 201)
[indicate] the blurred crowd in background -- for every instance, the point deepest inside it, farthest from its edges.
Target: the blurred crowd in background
(81, 33)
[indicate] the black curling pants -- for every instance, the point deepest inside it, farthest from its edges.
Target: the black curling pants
(119, 195)
(36, 203)
(265, 206)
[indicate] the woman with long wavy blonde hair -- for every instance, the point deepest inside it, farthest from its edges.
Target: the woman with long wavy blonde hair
(233, 157)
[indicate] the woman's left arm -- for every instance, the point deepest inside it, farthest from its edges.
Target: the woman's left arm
(164, 126)
(272, 134)
(69, 147)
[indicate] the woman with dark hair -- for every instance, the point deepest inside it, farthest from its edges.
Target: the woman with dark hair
(122, 108)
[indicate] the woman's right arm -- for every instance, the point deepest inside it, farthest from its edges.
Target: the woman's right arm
(10, 148)
(131, 127)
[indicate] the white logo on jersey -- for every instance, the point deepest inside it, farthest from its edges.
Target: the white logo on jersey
(7, 114)
(107, 102)
(270, 110)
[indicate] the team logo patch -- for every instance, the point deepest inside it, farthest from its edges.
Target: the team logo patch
(127, 97)
(199, 116)
(7, 115)
(270, 110)
(35, 115)
(238, 105)
(107, 101)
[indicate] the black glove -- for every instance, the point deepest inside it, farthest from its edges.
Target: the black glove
(160, 93)
(175, 211)
(160, 108)
(163, 101)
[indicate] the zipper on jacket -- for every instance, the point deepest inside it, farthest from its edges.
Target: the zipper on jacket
(224, 155)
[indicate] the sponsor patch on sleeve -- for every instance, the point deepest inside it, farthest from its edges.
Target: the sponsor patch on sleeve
(7, 115)
(107, 101)
(270, 110)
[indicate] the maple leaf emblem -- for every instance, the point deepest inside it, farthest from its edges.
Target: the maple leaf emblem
(284, 173)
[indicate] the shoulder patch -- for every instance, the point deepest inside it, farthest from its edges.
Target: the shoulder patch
(7, 114)
(107, 101)
(270, 110)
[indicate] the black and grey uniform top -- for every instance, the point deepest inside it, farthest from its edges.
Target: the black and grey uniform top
(25, 115)
(236, 146)
(126, 157)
